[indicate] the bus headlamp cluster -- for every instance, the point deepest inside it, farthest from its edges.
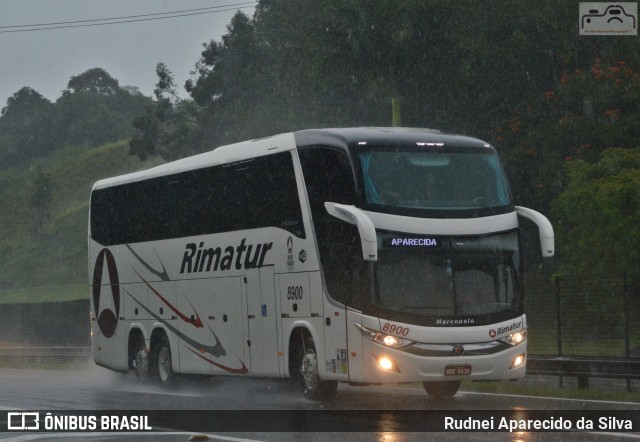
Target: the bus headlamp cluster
(380, 338)
(515, 338)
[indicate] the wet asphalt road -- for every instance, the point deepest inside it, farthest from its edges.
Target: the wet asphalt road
(94, 388)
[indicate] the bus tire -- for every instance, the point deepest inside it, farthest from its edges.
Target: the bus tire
(162, 362)
(139, 360)
(442, 389)
(314, 388)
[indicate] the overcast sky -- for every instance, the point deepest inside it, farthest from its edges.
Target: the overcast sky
(45, 60)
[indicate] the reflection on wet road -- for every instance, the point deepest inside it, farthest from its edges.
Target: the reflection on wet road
(94, 388)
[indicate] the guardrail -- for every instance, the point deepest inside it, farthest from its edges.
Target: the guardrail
(44, 354)
(584, 368)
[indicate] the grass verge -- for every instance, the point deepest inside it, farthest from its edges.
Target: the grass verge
(56, 293)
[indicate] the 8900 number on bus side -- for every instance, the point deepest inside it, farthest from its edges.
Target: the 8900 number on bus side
(294, 292)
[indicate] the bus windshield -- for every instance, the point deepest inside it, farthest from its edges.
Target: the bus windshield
(442, 276)
(447, 183)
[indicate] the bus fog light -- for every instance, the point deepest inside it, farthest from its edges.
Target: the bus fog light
(518, 361)
(387, 364)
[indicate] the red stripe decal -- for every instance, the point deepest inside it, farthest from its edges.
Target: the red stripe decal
(195, 322)
(242, 370)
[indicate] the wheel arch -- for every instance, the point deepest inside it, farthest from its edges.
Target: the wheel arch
(157, 334)
(136, 335)
(298, 333)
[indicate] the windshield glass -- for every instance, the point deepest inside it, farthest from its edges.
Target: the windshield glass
(447, 276)
(434, 183)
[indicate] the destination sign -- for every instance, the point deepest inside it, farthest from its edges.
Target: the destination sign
(417, 242)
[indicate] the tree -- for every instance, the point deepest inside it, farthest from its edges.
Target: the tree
(598, 216)
(95, 81)
(41, 200)
(94, 110)
(233, 85)
(586, 112)
(169, 126)
(24, 126)
(466, 67)
(597, 221)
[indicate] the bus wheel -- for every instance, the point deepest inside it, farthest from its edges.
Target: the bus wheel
(313, 387)
(163, 366)
(442, 389)
(139, 360)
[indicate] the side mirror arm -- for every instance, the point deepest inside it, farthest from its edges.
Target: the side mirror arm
(547, 239)
(366, 229)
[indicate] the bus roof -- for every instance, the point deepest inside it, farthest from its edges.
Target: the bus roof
(228, 154)
(384, 136)
(337, 137)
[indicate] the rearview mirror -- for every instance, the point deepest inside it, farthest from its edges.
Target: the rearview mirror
(547, 240)
(366, 229)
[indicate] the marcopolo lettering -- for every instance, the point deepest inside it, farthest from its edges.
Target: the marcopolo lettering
(460, 321)
(197, 258)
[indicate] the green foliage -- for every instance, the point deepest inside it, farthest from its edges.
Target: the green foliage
(25, 125)
(50, 293)
(58, 256)
(92, 110)
(585, 113)
(169, 126)
(463, 66)
(94, 81)
(41, 200)
(513, 72)
(44, 207)
(598, 215)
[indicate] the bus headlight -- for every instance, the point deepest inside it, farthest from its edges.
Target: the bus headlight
(515, 338)
(380, 338)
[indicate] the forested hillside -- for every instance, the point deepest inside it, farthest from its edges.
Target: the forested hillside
(514, 73)
(563, 110)
(50, 155)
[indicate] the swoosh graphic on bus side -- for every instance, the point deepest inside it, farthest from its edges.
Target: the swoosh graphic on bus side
(196, 322)
(215, 350)
(160, 274)
(242, 370)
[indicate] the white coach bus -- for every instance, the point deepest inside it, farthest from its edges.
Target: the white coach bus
(358, 255)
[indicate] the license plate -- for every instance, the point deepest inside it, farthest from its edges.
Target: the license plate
(457, 370)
